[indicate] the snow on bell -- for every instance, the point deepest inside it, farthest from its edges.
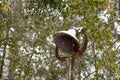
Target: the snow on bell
(67, 41)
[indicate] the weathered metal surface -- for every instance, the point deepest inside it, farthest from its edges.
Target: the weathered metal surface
(66, 42)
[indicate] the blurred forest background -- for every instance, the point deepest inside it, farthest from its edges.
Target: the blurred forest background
(27, 27)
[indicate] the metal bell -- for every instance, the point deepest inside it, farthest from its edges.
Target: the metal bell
(66, 42)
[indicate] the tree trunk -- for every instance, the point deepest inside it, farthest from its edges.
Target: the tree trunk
(119, 9)
(4, 53)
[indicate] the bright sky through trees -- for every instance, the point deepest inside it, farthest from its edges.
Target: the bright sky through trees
(27, 28)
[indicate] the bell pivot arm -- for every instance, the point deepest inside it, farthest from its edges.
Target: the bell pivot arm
(83, 47)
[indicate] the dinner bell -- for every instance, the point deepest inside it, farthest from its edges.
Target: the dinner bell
(67, 41)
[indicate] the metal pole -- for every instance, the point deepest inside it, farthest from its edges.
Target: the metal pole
(70, 68)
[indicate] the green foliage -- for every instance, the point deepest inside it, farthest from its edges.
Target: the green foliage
(28, 28)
